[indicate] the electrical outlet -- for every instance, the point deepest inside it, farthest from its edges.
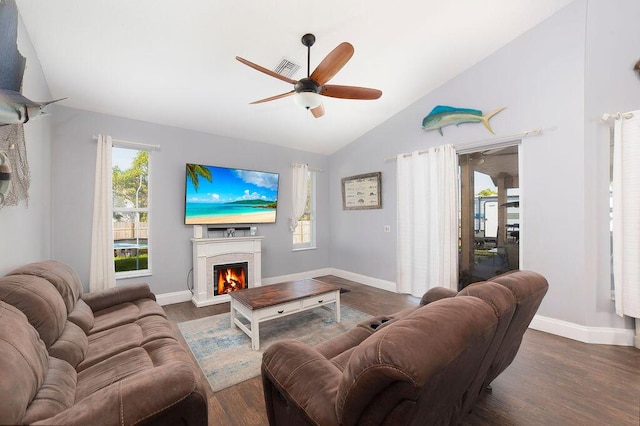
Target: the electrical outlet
(387, 228)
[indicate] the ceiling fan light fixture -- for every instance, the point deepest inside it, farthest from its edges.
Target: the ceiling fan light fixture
(307, 100)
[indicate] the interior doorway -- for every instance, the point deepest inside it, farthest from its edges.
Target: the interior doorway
(489, 225)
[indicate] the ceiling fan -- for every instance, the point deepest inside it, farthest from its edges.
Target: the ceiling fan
(309, 89)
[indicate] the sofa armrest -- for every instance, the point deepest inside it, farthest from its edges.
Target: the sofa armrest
(436, 293)
(99, 300)
(170, 394)
(299, 374)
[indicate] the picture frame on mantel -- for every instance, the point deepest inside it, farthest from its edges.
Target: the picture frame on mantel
(362, 192)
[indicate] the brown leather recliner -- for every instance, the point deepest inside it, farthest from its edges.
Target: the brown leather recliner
(104, 358)
(424, 365)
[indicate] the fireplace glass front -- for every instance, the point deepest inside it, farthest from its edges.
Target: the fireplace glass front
(230, 277)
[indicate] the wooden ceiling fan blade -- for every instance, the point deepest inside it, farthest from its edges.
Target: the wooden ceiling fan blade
(350, 92)
(332, 63)
(273, 98)
(318, 111)
(266, 71)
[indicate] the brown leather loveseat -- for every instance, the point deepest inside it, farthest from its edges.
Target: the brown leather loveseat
(421, 366)
(103, 358)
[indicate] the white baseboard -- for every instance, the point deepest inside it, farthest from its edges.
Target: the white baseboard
(297, 276)
(175, 297)
(582, 333)
(362, 279)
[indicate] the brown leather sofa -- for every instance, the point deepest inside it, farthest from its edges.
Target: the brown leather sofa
(421, 366)
(104, 358)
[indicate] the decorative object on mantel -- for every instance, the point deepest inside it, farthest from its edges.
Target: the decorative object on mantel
(362, 192)
(16, 109)
(442, 116)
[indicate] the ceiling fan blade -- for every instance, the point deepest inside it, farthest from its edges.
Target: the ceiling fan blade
(350, 92)
(273, 98)
(318, 111)
(332, 63)
(266, 71)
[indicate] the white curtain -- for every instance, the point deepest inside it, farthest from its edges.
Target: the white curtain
(427, 220)
(299, 194)
(626, 214)
(102, 269)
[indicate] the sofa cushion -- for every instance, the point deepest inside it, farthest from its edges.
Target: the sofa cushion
(62, 276)
(424, 362)
(23, 364)
(82, 316)
(528, 289)
(57, 393)
(109, 342)
(125, 313)
(501, 300)
(71, 346)
(160, 387)
(342, 342)
(129, 363)
(39, 301)
(99, 300)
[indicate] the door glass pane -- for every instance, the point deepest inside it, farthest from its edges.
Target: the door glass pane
(490, 214)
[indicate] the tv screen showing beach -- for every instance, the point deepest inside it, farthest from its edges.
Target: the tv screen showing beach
(220, 195)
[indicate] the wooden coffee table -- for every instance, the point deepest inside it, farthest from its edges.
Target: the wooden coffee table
(260, 304)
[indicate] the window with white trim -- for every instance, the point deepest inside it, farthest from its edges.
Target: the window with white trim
(131, 210)
(304, 237)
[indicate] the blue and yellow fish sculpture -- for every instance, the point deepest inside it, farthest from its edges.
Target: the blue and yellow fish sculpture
(442, 116)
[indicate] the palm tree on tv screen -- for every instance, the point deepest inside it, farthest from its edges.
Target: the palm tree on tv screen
(195, 170)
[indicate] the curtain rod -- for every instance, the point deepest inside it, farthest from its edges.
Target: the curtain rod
(466, 147)
(617, 116)
(132, 144)
(313, 169)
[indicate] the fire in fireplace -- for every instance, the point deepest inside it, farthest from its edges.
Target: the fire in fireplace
(230, 277)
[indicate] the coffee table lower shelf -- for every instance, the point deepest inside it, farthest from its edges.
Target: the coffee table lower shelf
(256, 316)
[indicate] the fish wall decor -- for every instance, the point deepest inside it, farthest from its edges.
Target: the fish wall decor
(16, 109)
(442, 116)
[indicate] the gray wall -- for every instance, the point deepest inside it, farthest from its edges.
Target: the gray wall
(74, 152)
(540, 77)
(25, 231)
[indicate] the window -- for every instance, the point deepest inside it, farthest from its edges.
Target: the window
(130, 168)
(304, 237)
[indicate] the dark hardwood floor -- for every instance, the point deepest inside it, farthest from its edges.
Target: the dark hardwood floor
(552, 381)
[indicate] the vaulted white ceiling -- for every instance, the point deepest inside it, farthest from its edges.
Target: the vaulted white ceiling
(173, 62)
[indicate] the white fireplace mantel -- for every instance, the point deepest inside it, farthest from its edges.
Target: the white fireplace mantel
(208, 252)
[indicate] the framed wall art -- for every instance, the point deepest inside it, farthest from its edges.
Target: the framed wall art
(362, 192)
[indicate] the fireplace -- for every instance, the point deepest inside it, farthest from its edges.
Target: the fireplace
(230, 277)
(223, 252)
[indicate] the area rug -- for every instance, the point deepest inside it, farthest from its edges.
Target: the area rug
(224, 353)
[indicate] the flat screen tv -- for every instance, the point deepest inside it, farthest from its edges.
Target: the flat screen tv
(221, 195)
